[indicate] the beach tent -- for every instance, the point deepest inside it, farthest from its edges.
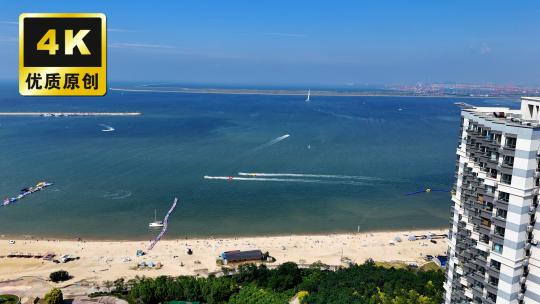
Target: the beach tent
(397, 238)
(411, 238)
(441, 260)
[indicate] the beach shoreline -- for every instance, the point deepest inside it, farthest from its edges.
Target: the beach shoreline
(52, 237)
(99, 261)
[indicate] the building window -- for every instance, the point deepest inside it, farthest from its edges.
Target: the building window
(493, 281)
(497, 248)
(498, 138)
(483, 254)
(485, 222)
(499, 231)
(492, 297)
(502, 213)
(493, 173)
(484, 238)
(495, 264)
(508, 160)
(510, 142)
(494, 156)
(506, 178)
(503, 196)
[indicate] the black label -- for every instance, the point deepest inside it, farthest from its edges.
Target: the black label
(36, 28)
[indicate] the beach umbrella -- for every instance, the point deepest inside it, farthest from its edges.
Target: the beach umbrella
(397, 238)
(411, 238)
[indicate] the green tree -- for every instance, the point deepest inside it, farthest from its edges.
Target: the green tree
(367, 283)
(285, 277)
(254, 294)
(218, 290)
(54, 296)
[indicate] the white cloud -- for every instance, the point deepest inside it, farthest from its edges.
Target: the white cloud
(484, 49)
(8, 39)
(118, 30)
(141, 46)
(294, 35)
(481, 49)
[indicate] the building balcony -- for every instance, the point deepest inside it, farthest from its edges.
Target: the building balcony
(477, 289)
(488, 301)
(506, 148)
(486, 213)
(498, 221)
(477, 276)
(493, 271)
(497, 238)
(507, 166)
(500, 204)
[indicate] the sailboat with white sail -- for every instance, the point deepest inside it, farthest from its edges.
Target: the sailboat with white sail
(155, 223)
(308, 95)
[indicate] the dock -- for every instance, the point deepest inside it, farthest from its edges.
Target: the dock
(25, 192)
(68, 114)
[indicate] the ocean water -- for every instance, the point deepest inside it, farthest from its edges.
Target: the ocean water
(107, 184)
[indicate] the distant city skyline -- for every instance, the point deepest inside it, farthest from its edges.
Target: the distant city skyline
(344, 43)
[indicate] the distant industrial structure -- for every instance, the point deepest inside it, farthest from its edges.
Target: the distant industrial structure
(493, 254)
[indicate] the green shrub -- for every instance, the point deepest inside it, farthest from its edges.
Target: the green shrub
(59, 276)
(9, 299)
(54, 297)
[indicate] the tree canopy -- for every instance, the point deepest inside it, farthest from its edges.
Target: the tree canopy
(366, 283)
(54, 296)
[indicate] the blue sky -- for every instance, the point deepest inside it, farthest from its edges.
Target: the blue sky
(332, 43)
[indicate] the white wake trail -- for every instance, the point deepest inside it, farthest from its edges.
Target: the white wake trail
(254, 174)
(270, 143)
(107, 128)
(286, 180)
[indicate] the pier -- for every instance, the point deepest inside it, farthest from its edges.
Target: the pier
(68, 114)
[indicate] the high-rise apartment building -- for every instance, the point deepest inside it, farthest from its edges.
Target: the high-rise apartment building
(493, 257)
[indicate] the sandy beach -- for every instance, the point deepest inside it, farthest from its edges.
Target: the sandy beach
(108, 260)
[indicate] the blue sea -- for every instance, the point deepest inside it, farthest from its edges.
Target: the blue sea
(108, 184)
